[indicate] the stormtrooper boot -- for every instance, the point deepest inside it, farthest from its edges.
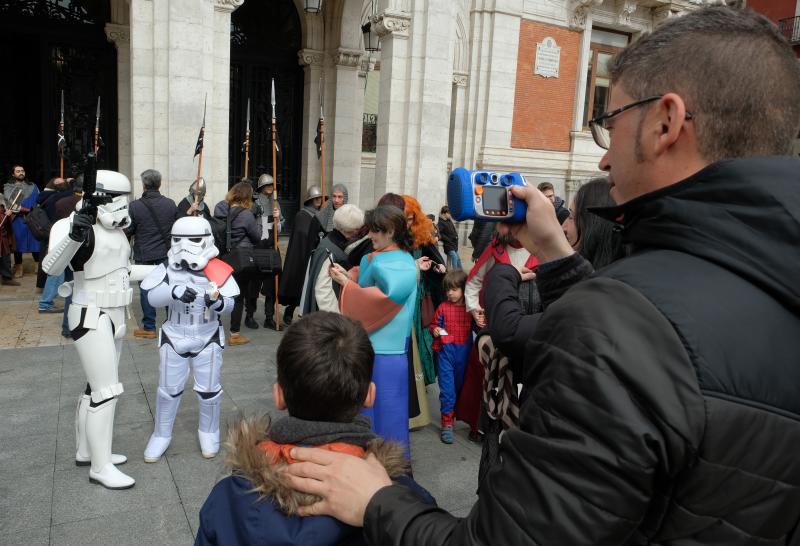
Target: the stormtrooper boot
(99, 432)
(208, 426)
(82, 457)
(166, 410)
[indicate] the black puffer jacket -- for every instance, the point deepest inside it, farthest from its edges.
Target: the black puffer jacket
(662, 396)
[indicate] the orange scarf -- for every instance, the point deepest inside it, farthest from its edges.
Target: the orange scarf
(277, 452)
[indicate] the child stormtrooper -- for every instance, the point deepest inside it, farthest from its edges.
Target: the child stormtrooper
(197, 288)
(91, 242)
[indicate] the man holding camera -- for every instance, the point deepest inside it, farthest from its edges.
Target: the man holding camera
(661, 401)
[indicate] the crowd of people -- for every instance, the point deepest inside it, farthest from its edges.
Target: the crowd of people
(627, 360)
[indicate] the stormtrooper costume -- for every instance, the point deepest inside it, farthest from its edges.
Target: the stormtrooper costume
(97, 251)
(197, 288)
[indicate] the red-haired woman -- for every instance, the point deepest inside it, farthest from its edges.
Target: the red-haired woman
(429, 291)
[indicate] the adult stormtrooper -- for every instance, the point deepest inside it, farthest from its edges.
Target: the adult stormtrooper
(197, 288)
(91, 243)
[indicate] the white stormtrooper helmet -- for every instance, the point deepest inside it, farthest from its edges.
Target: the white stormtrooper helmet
(192, 244)
(116, 185)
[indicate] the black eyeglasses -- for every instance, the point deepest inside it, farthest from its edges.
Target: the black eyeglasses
(598, 125)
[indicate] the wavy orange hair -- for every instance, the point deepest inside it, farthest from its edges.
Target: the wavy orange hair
(421, 227)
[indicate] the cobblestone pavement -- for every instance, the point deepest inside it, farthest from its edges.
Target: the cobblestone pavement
(46, 499)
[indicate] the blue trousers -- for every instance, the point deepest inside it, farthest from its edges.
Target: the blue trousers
(455, 260)
(390, 413)
(50, 291)
(148, 311)
(452, 364)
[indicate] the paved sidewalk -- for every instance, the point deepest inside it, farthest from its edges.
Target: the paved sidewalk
(46, 499)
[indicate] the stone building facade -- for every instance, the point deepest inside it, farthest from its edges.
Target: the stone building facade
(492, 84)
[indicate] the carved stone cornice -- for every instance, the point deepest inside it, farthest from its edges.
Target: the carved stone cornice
(308, 57)
(118, 34)
(460, 78)
(348, 57)
(227, 6)
(392, 22)
(663, 13)
(367, 64)
(625, 10)
(578, 10)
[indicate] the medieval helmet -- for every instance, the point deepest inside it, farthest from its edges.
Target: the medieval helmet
(264, 180)
(192, 244)
(117, 186)
(313, 193)
(193, 190)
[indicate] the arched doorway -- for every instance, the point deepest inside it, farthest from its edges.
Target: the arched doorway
(265, 39)
(47, 46)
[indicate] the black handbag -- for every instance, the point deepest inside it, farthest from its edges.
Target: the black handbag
(267, 260)
(240, 258)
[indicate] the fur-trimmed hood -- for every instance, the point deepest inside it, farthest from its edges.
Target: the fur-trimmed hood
(245, 458)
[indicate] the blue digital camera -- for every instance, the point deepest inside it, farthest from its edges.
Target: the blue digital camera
(484, 195)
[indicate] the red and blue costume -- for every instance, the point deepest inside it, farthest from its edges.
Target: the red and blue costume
(452, 353)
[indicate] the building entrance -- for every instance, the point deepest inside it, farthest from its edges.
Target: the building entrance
(47, 46)
(265, 39)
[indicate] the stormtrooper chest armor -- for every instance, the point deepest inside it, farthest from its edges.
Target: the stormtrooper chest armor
(104, 281)
(196, 312)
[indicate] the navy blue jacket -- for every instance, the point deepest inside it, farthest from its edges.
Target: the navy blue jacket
(149, 243)
(233, 515)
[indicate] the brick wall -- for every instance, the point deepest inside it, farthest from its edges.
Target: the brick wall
(544, 107)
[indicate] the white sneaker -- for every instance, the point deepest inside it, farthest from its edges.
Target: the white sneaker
(156, 447)
(111, 478)
(209, 443)
(116, 459)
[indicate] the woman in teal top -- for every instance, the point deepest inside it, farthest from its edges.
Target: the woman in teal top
(381, 294)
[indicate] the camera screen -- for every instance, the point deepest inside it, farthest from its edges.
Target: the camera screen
(495, 201)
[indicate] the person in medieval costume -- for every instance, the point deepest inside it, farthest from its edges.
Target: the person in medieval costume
(339, 197)
(342, 246)
(265, 210)
(92, 243)
(197, 289)
(21, 195)
(194, 202)
(305, 238)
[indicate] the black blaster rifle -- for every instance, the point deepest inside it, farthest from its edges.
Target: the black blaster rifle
(90, 200)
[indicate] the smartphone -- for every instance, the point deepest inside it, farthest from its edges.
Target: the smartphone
(330, 256)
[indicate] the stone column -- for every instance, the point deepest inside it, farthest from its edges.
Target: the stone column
(348, 107)
(460, 80)
(390, 158)
(121, 37)
(311, 60)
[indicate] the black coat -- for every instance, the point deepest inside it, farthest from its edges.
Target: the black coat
(448, 235)
(661, 400)
(151, 233)
(304, 239)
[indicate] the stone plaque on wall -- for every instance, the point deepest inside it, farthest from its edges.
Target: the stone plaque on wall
(548, 58)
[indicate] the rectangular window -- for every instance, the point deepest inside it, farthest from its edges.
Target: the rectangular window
(605, 44)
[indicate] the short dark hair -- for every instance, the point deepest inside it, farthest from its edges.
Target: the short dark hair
(735, 71)
(598, 239)
(392, 199)
(444, 210)
(325, 367)
(545, 186)
(387, 218)
(455, 278)
(151, 179)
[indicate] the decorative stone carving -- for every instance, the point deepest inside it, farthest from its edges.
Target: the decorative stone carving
(663, 13)
(308, 57)
(348, 57)
(227, 5)
(460, 78)
(396, 23)
(118, 34)
(367, 64)
(579, 9)
(625, 10)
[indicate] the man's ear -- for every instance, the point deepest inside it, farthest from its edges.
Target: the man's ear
(369, 401)
(277, 395)
(672, 117)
